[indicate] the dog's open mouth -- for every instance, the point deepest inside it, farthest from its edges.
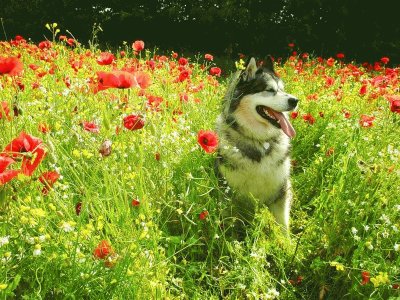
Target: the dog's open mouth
(277, 119)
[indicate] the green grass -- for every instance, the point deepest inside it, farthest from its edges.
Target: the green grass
(345, 216)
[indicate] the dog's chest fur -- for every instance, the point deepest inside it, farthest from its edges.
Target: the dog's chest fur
(259, 168)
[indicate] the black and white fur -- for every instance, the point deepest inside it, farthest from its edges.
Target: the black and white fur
(254, 151)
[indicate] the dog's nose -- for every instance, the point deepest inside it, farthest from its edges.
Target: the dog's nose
(293, 102)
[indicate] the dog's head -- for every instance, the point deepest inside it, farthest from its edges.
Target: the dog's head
(259, 103)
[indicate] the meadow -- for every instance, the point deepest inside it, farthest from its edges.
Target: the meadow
(107, 186)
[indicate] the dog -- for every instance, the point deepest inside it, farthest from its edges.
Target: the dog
(254, 132)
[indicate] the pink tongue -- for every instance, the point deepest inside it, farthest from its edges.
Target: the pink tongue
(285, 124)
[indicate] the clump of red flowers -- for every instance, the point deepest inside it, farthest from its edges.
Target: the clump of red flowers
(90, 126)
(215, 71)
(30, 148)
(209, 57)
(384, 60)
(135, 202)
(11, 66)
(105, 58)
(308, 118)
(48, 179)
(121, 80)
(103, 250)
(138, 45)
(394, 101)
(366, 121)
(208, 140)
(203, 215)
(365, 277)
(133, 122)
(6, 175)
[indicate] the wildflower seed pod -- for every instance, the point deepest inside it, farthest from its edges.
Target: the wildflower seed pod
(105, 148)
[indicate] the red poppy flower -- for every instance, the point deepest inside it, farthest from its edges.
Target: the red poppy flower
(385, 60)
(209, 57)
(346, 114)
(44, 128)
(363, 89)
(6, 175)
(395, 106)
(115, 79)
(143, 79)
(154, 101)
(133, 122)
(308, 118)
(340, 55)
(183, 61)
(33, 149)
(394, 101)
(215, 71)
(4, 110)
(185, 74)
(18, 40)
(291, 45)
(366, 121)
(48, 179)
(105, 58)
(203, 215)
(44, 45)
(135, 202)
(11, 66)
(330, 61)
(329, 81)
(138, 45)
(208, 140)
(91, 127)
(78, 208)
(365, 277)
(103, 250)
(71, 42)
(330, 152)
(157, 156)
(294, 114)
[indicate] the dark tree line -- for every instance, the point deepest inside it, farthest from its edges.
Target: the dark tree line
(363, 30)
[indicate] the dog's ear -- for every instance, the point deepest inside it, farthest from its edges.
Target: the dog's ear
(269, 64)
(250, 72)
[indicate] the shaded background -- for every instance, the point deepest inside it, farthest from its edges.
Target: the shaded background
(363, 31)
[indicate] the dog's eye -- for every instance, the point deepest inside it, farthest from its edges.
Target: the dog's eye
(271, 90)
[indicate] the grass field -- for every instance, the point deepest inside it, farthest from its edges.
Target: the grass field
(105, 192)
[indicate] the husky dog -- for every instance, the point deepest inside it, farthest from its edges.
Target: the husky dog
(254, 147)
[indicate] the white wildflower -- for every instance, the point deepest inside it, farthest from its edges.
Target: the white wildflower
(385, 219)
(38, 250)
(354, 230)
(67, 227)
(4, 240)
(270, 294)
